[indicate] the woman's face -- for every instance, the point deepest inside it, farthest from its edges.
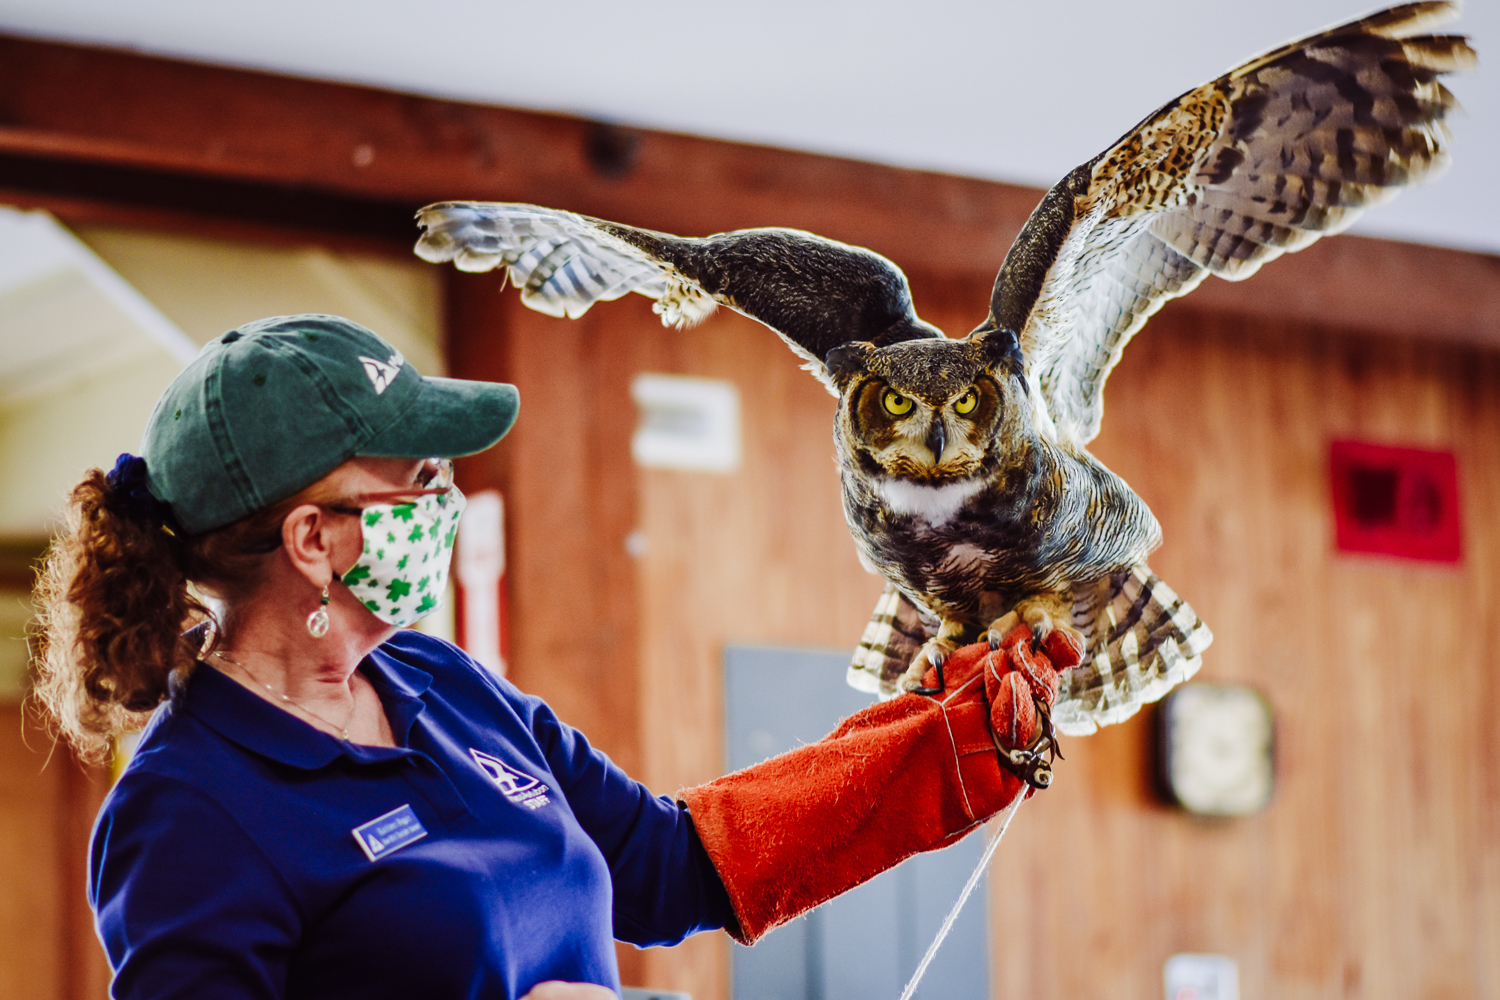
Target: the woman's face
(359, 483)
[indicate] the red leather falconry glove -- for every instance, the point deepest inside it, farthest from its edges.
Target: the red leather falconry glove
(908, 775)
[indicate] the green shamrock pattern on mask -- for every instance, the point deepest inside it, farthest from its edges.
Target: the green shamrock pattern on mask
(403, 572)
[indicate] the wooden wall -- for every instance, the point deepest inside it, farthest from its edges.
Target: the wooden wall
(1375, 872)
(47, 804)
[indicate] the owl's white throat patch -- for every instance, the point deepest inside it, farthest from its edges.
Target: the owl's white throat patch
(934, 504)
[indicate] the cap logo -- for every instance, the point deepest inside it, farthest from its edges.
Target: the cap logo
(382, 373)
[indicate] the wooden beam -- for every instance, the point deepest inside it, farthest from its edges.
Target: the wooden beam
(94, 191)
(64, 104)
(332, 156)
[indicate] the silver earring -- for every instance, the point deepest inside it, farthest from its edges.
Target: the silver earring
(317, 622)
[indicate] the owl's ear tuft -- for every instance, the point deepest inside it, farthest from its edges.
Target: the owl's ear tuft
(1002, 348)
(847, 361)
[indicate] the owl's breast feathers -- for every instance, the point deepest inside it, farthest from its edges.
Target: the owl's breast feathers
(1038, 518)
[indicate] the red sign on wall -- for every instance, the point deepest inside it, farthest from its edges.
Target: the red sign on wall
(1396, 501)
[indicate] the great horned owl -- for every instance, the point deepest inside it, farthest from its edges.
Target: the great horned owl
(966, 481)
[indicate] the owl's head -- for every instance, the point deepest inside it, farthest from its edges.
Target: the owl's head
(932, 409)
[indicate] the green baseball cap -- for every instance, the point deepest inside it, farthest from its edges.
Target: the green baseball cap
(277, 404)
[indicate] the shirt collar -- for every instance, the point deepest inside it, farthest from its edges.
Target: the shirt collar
(245, 718)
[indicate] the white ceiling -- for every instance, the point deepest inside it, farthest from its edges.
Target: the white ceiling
(1001, 89)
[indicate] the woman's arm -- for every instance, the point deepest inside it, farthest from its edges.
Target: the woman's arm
(187, 904)
(665, 886)
(913, 774)
(909, 775)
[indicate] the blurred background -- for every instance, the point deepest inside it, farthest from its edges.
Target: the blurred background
(1321, 443)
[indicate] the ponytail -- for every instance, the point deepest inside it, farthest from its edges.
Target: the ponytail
(116, 592)
(114, 603)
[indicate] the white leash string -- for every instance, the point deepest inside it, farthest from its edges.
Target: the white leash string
(963, 897)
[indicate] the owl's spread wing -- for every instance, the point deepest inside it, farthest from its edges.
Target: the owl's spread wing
(818, 294)
(1262, 161)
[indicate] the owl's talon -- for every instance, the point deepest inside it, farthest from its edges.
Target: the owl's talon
(1000, 628)
(1045, 614)
(941, 684)
(934, 654)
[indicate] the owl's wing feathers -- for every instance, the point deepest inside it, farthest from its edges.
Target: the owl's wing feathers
(562, 263)
(1291, 146)
(817, 293)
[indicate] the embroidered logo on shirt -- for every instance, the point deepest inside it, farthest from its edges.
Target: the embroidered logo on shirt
(388, 833)
(519, 787)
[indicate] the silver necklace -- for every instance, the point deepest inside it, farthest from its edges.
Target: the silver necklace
(344, 729)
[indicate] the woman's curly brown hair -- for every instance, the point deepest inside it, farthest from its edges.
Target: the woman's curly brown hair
(116, 593)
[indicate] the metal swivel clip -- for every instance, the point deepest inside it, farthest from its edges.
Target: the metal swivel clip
(1033, 763)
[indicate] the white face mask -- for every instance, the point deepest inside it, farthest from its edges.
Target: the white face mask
(403, 573)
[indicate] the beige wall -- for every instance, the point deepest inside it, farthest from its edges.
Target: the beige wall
(205, 286)
(210, 285)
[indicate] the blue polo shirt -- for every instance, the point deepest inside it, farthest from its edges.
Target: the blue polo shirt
(246, 854)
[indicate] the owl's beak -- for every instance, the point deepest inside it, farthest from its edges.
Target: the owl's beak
(937, 438)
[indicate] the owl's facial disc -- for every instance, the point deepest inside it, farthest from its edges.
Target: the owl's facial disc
(919, 435)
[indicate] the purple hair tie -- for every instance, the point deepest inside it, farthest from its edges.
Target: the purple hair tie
(131, 497)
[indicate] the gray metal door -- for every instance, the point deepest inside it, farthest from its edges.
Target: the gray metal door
(865, 944)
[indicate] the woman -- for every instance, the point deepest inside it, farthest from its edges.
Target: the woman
(324, 804)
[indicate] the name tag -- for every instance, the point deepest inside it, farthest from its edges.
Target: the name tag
(391, 832)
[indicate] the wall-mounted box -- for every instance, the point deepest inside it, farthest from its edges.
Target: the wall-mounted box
(1201, 977)
(1395, 501)
(686, 423)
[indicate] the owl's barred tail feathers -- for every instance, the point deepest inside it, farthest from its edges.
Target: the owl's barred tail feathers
(1142, 641)
(892, 637)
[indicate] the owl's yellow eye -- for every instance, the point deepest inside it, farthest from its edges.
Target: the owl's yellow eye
(895, 403)
(966, 402)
